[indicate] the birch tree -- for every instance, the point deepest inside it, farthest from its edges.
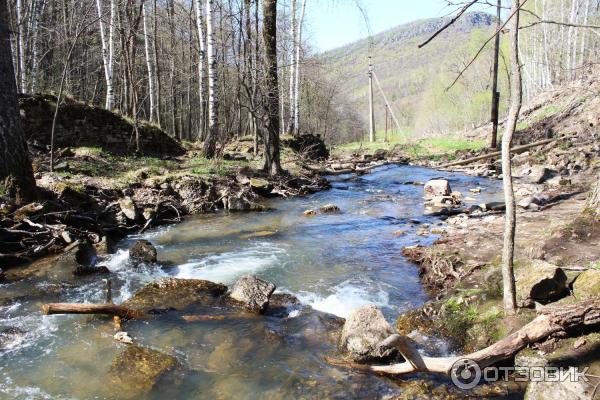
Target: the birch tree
(210, 143)
(108, 50)
(16, 173)
(293, 63)
(151, 92)
(21, 46)
(516, 99)
(298, 44)
(201, 63)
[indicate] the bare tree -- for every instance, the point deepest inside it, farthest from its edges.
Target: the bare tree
(298, 44)
(16, 173)
(516, 99)
(201, 62)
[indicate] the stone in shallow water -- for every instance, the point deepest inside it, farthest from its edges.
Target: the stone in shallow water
(364, 329)
(252, 293)
(143, 251)
(171, 293)
(137, 369)
(436, 188)
(330, 208)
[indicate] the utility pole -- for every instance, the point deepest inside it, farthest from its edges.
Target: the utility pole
(495, 93)
(371, 109)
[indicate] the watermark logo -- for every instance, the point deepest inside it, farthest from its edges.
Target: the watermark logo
(466, 374)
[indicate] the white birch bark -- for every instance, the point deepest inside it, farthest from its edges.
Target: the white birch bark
(213, 101)
(106, 53)
(21, 47)
(293, 64)
(151, 94)
(297, 79)
(201, 62)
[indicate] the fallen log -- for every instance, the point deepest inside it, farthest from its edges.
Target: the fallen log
(551, 321)
(517, 149)
(102, 309)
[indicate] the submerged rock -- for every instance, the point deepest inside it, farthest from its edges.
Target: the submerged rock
(281, 304)
(363, 330)
(587, 285)
(137, 369)
(252, 293)
(10, 336)
(330, 208)
(171, 293)
(143, 251)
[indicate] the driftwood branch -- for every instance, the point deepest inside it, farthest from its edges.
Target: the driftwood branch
(495, 154)
(102, 309)
(551, 321)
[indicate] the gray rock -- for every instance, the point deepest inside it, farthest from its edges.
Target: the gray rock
(143, 251)
(579, 390)
(363, 330)
(539, 174)
(128, 208)
(329, 208)
(436, 188)
(252, 293)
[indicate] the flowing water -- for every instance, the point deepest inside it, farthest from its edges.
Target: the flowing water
(334, 263)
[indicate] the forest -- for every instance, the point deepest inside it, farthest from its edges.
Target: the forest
(197, 201)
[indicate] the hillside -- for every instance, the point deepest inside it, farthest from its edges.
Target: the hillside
(411, 76)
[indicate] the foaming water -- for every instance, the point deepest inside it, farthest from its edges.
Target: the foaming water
(333, 263)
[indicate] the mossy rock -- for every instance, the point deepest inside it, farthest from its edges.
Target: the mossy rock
(587, 285)
(541, 281)
(137, 370)
(171, 293)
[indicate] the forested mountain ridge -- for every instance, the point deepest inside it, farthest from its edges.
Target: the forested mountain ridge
(406, 72)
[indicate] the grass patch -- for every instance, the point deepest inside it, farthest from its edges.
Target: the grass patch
(434, 148)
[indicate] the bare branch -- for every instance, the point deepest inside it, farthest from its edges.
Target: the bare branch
(447, 25)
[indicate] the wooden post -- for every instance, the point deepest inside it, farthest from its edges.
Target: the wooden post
(386, 123)
(371, 109)
(495, 93)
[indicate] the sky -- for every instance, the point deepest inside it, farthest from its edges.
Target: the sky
(334, 23)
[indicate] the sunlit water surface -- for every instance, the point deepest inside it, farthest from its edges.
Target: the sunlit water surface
(334, 263)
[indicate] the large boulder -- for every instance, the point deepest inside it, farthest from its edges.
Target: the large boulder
(171, 293)
(252, 293)
(587, 285)
(437, 188)
(363, 330)
(137, 370)
(143, 251)
(542, 282)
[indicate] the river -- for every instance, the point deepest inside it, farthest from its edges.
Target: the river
(333, 263)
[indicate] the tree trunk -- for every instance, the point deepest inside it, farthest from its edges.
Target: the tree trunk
(151, 92)
(296, 126)
(107, 52)
(201, 62)
(552, 321)
(210, 143)
(516, 99)
(103, 309)
(16, 173)
(157, 64)
(21, 47)
(293, 63)
(271, 133)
